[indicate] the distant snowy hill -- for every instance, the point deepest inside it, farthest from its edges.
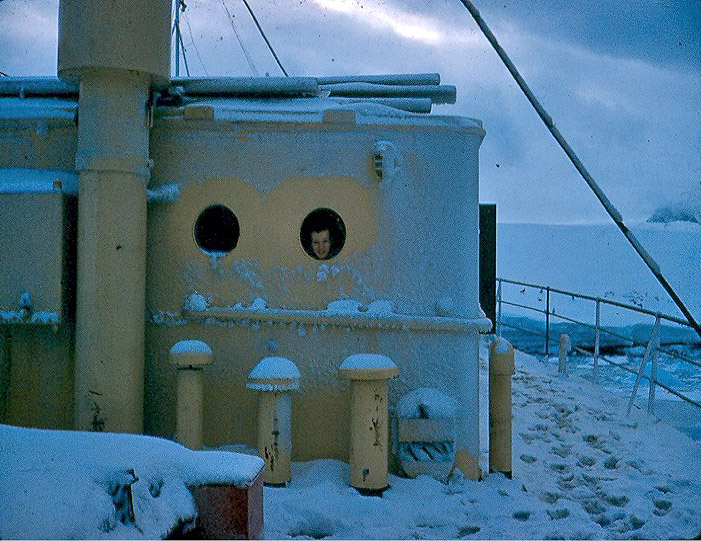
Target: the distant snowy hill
(685, 210)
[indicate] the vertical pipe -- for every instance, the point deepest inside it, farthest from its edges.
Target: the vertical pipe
(369, 435)
(275, 436)
(597, 333)
(501, 368)
(547, 323)
(116, 53)
(499, 305)
(190, 409)
(112, 159)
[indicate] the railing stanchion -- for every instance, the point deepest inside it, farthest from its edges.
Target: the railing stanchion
(654, 335)
(655, 343)
(547, 323)
(596, 339)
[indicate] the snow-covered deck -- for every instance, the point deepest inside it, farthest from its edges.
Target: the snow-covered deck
(582, 469)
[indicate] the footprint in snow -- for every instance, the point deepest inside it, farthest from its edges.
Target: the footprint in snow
(558, 513)
(611, 463)
(522, 515)
(585, 460)
(617, 500)
(464, 531)
(559, 467)
(563, 451)
(549, 497)
(662, 507)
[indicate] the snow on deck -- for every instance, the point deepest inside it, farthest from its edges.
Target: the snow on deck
(581, 470)
(66, 485)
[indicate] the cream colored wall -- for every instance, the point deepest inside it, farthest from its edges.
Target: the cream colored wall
(36, 364)
(411, 239)
(321, 408)
(36, 361)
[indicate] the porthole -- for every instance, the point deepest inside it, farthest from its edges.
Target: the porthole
(322, 234)
(217, 230)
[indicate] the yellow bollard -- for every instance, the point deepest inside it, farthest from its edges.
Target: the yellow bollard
(190, 357)
(368, 374)
(275, 378)
(565, 346)
(501, 368)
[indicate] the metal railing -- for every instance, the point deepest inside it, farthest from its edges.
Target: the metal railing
(652, 346)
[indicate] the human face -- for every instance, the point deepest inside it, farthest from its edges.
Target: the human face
(321, 243)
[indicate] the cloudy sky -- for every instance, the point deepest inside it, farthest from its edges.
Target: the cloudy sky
(622, 81)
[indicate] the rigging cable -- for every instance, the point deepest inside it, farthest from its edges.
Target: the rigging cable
(601, 196)
(245, 2)
(187, 68)
(243, 48)
(179, 6)
(192, 39)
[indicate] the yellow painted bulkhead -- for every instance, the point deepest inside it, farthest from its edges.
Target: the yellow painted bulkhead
(400, 246)
(411, 239)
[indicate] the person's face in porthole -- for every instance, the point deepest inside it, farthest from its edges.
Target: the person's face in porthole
(321, 243)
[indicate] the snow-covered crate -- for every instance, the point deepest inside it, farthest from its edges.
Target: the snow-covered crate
(226, 511)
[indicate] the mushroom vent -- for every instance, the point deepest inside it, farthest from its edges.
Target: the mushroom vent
(426, 433)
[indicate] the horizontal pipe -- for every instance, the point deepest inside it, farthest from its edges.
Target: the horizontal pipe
(412, 93)
(253, 87)
(410, 105)
(36, 86)
(437, 94)
(398, 79)
(358, 320)
(604, 301)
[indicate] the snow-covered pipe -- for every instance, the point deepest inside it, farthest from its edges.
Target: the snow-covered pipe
(261, 87)
(437, 94)
(116, 54)
(410, 105)
(190, 357)
(275, 378)
(501, 368)
(36, 86)
(368, 374)
(397, 79)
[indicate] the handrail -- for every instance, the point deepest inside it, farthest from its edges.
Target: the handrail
(673, 319)
(547, 312)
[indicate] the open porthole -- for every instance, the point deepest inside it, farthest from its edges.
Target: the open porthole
(217, 230)
(322, 234)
